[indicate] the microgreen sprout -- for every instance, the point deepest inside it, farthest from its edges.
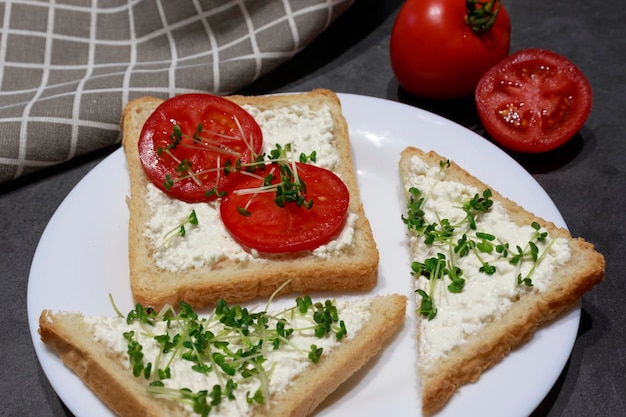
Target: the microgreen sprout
(312, 157)
(315, 353)
(283, 180)
(427, 308)
(181, 229)
(476, 206)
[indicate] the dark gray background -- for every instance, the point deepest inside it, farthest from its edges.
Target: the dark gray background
(584, 178)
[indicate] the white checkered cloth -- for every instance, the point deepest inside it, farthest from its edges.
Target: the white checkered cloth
(67, 67)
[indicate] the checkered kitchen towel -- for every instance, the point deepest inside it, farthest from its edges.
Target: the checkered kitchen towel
(67, 67)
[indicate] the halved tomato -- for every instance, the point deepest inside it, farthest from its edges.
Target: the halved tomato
(188, 141)
(254, 219)
(533, 101)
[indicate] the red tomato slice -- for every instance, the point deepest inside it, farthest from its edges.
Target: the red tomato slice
(229, 133)
(533, 101)
(272, 229)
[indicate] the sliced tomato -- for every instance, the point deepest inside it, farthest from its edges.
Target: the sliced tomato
(533, 101)
(193, 169)
(269, 228)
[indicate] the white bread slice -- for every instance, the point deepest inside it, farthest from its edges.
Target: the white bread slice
(519, 321)
(355, 269)
(103, 372)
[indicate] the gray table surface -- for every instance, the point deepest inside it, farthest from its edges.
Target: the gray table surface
(585, 179)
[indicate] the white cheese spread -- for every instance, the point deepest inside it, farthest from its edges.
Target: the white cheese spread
(281, 365)
(484, 297)
(209, 243)
(306, 129)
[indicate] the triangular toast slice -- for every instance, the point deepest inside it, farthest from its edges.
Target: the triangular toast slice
(281, 363)
(487, 272)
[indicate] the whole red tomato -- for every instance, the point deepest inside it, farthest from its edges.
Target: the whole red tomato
(441, 48)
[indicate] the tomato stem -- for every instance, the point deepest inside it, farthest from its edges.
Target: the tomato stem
(481, 15)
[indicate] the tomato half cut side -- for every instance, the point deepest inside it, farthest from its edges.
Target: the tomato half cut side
(214, 132)
(269, 228)
(533, 101)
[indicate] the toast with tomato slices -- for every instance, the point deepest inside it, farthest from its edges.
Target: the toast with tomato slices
(199, 276)
(95, 348)
(487, 273)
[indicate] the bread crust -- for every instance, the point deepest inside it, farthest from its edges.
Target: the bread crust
(355, 270)
(127, 396)
(67, 334)
(519, 323)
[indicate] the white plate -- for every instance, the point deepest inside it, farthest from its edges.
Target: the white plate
(82, 257)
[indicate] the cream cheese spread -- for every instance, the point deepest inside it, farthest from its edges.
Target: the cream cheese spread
(281, 365)
(306, 129)
(209, 243)
(484, 297)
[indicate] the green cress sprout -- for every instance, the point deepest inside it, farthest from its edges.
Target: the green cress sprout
(456, 241)
(290, 188)
(232, 342)
(181, 229)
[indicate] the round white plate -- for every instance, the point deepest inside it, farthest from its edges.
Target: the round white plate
(82, 258)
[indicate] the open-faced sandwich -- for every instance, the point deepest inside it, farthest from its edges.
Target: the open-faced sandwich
(487, 272)
(233, 361)
(232, 197)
